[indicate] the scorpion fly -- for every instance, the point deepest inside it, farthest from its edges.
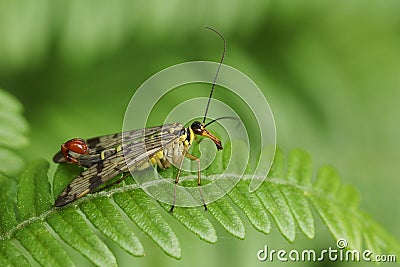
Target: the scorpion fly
(106, 157)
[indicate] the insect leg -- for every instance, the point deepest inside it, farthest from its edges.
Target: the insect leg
(198, 178)
(177, 178)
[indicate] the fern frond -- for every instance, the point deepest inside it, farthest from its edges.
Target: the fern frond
(287, 197)
(12, 133)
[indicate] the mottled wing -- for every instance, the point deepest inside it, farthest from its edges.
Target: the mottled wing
(108, 145)
(97, 144)
(134, 155)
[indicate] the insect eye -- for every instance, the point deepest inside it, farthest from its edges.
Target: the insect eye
(77, 145)
(197, 127)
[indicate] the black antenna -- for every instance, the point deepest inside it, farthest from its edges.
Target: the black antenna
(216, 74)
(221, 118)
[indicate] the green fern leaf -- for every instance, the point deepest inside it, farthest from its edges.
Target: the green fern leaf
(299, 172)
(202, 227)
(41, 245)
(326, 187)
(143, 211)
(43, 231)
(275, 203)
(7, 194)
(106, 218)
(34, 190)
(226, 215)
(10, 255)
(74, 231)
(251, 205)
(12, 133)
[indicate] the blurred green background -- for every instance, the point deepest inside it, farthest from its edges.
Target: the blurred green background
(329, 69)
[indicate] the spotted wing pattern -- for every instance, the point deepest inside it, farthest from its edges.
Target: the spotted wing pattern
(134, 153)
(108, 144)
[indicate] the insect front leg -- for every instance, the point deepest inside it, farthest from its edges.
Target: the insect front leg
(190, 156)
(198, 178)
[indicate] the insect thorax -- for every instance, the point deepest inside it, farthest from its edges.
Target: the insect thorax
(174, 152)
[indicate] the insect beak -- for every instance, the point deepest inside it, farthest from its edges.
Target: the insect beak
(216, 141)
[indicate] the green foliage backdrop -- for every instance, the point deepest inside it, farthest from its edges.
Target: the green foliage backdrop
(329, 70)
